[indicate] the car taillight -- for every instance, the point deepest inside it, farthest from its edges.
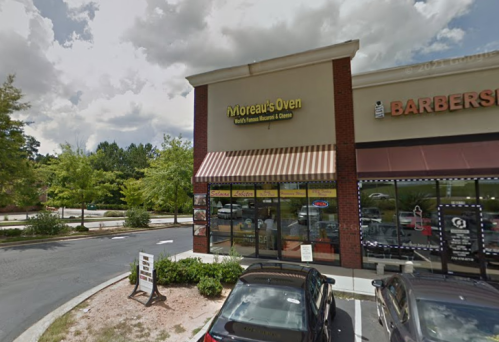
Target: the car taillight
(208, 338)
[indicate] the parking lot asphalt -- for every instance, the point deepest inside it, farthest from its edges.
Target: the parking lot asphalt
(356, 321)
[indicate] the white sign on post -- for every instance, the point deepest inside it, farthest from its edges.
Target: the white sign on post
(146, 267)
(306, 253)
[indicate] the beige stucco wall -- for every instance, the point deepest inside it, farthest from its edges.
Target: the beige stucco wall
(313, 124)
(460, 122)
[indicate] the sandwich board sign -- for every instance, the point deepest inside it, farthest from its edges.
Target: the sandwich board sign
(146, 280)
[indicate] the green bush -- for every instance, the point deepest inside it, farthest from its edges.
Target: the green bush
(44, 223)
(210, 287)
(230, 272)
(81, 229)
(137, 218)
(11, 232)
(113, 213)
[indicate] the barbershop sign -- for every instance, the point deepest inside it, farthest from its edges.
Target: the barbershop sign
(263, 112)
(454, 102)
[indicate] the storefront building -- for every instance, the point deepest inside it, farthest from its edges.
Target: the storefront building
(386, 166)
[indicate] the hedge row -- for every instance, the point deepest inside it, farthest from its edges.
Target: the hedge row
(207, 276)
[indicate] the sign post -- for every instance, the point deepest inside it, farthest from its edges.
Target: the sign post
(146, 280)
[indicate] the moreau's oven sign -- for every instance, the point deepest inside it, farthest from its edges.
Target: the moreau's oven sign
(264, 112)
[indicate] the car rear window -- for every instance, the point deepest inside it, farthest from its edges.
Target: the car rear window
(271, 306)
(450, 322)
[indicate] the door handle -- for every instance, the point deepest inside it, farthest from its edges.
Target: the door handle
(392, 326)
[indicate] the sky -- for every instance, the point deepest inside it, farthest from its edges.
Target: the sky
(114, 70)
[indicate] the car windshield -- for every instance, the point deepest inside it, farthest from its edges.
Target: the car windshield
(228, 206)
(406, 214)
(271, 306)
(450, 322)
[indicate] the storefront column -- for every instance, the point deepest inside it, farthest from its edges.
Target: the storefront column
(201, 244)
(346, 166)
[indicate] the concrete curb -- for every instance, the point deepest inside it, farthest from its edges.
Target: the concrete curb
(34, 242)
(199, 336)
(37, 329)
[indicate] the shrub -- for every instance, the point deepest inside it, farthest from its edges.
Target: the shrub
(11, 232)
(137, 218)
(113, 213)
(44, 223)
(230, 272)
(5, 218)
(230, 269)
(210, 287)
(81, 229)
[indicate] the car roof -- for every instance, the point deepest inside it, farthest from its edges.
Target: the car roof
(437, 287)
(282, 274)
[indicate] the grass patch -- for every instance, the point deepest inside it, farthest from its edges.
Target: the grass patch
(58, 330)
(179, 329)
(163, 335)
(195, 331)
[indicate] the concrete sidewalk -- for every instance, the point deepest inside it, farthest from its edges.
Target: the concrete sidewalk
(347, 280)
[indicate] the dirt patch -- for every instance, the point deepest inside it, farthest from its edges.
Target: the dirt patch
(110, 315)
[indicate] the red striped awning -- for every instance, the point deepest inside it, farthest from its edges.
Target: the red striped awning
(287, 164)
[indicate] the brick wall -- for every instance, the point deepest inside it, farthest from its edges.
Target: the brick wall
(200, 243)
(346, 166)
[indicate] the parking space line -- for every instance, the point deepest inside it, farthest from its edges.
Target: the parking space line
(358, 321)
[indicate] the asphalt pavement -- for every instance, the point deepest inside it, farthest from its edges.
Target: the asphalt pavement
(38, 278)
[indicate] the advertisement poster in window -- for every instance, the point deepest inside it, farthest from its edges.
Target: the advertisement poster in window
(200, 200)
(200, 229)
(199, 215)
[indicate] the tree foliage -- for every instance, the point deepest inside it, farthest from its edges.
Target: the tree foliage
(132, 193)
(167, 182)
(15, 146)
(73, 180)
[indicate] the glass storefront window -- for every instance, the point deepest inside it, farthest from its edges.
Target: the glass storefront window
(244, 228)
(324, 229)
(294, 218)
(399, 220)
(417, 214)
(267, 219)
(220, 223)
(457, 191)
(489, 200)
(379, 233)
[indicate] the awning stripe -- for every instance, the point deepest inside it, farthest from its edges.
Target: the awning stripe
(306, 163)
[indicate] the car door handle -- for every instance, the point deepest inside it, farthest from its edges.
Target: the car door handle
(392, 326)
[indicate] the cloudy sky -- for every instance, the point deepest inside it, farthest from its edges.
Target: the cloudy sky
(114, 70)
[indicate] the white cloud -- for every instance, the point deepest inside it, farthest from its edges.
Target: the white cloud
(456, 34)
(128, 83)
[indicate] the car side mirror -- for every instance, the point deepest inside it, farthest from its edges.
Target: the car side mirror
(378, 283)
(328, 280)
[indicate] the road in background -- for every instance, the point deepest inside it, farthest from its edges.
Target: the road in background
(38, 278)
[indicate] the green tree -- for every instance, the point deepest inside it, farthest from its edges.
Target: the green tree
(74, 180)
(27, 190)
(167, 182)
(132, 193)
(14, 150)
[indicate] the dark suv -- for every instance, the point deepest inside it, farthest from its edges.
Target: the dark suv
(428, 307)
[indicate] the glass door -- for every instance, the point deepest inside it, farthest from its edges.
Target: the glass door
(268, 230)
(461, 229)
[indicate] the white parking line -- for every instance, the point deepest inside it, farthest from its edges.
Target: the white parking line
(166, 241)
(118, 237)
(358, 321)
